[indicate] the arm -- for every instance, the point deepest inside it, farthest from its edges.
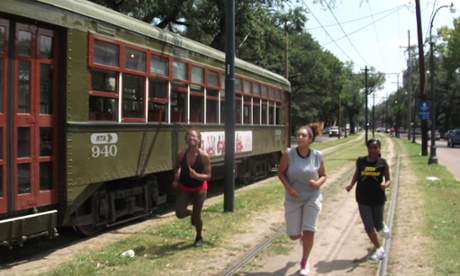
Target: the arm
(387, 182)
(206, 175)
(322, 176)
(353, 180)
(179, 157)
(282, 168)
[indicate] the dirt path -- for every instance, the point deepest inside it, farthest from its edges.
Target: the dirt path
(341, 246)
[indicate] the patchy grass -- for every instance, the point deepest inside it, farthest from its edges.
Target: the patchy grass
(165, 246)
(442, 211)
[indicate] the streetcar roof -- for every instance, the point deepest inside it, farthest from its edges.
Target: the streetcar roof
(102, 14)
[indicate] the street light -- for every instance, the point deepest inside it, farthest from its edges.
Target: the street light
(433, 159)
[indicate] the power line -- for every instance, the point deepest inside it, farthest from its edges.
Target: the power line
(365, 26)
(348, 38)
(376, 33)
(319, 22)
(361, 18)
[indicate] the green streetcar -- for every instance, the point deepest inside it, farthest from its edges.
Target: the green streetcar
(94, 106)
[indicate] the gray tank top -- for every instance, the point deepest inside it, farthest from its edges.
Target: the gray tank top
(301, 170)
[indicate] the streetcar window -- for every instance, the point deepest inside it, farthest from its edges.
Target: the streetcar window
(102, 108)
(238, 85)
(23, 178)
(277, 115)
(2, 38)
(46, 89)
(238, 111)
(211, 110)
(1, 83)
(197, 74)
(103, 80)
(180, 71)
(23, 138)
(272, 93)
(196, 107)
(212, 92)
(106, 53)
(158, 89)
(247, 110)
(133, 96)
(247, 87)
(24, 43)
(156, 112)
(213, 78)
(271, 115)
(46, 176)
(247, 114)
(278, 95)
(257, 89)
(1, 157)
(23, 86)
(46, 47)
(264, 112)
(1, 151)
(46, 141)
(256, 114)
(264, 92)
(134, 60)
(178, 106)
(159, 65)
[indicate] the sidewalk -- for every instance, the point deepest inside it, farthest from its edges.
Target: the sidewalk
(446, 156)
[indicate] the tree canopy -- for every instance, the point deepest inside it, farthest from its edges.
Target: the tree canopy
(265, 31)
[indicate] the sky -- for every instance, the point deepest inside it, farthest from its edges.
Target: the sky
(374, 33)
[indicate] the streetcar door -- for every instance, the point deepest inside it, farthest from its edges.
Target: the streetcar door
(32, 94)
(4, 28)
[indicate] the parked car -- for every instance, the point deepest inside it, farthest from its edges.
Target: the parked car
(333, 131)
(437, 135)
(454, 138)
(447, 134)
(442, 133)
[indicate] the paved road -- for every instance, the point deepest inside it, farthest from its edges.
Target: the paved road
(449, 157)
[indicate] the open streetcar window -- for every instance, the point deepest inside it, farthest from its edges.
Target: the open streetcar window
(212, 105)
(133, 96)
(158, 97)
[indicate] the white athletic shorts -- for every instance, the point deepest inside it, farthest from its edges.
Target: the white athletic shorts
(302, 215)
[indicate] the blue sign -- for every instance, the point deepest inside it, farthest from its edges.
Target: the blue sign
(424, 106)
(424, 110)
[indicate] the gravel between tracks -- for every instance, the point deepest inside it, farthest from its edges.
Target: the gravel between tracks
(341, 246)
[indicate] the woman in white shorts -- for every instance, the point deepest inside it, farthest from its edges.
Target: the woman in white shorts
(302, 172)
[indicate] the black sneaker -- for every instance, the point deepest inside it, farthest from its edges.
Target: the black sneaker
(198, 242)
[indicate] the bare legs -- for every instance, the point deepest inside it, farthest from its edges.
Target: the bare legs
(307, 243)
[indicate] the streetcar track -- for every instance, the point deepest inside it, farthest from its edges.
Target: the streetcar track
(331, 188)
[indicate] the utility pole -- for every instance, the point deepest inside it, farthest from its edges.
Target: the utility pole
(421, 60)
(409, 89)
(366, 92)
(229, 159)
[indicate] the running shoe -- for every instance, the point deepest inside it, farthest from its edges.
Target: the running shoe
(198, 242)
(378, 254)
(386, 231)
(304, 268)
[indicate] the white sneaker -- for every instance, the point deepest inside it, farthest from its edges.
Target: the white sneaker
(386, 231)
(304, 270)
(378, 254)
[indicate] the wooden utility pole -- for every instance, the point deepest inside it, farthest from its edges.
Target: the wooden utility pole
(422, 72)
